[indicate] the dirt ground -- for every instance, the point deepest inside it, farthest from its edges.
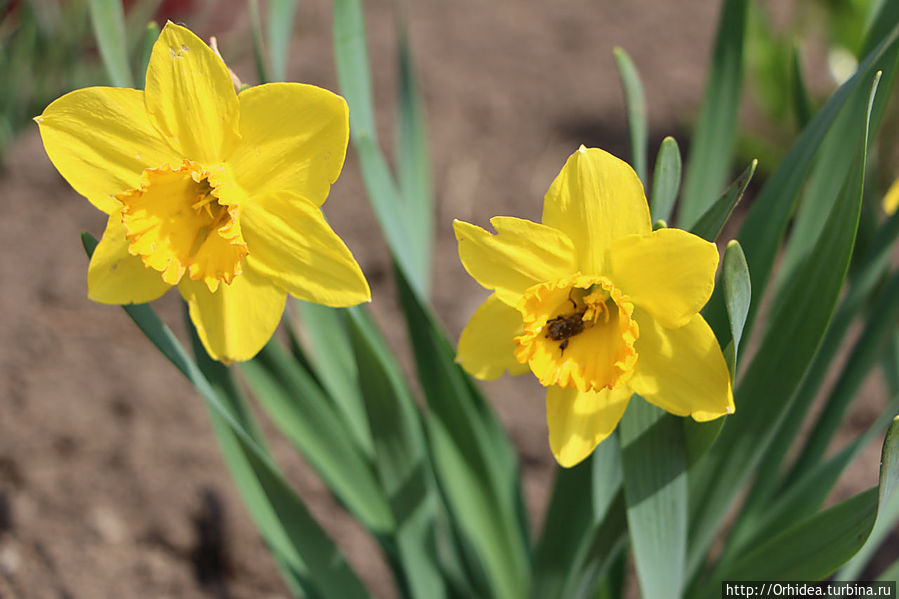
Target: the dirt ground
(111, 483)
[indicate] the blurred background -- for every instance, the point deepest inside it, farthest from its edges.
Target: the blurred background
(111, 482)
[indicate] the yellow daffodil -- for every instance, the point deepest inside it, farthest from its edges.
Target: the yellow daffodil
(597, 305)
(213, 191)
(891, 199)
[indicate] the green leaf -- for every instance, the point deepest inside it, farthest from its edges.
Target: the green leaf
(332, 358)
(303, 414)
(797, 500)
(803, 107)
(737, 297)
(151, 33)
(712, 143)
(713, 220)
(815, 547)
(280, 24)
(579, 504)
(767, 219)
(636, 111)
(783, 357)
(472, 456)
(305, 552)
(665, 180)
(402, 462)
(353, 75)
(655, 487)
(863, 283)
(878, 333)
(108, 20)
(258, 43)
(413, 161)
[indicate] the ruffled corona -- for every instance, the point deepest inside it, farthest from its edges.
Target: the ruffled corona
(177, 222)
(578, 332)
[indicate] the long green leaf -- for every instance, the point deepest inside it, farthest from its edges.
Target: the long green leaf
(413, 160)
(635, 101)
(863, 282)
(764, 393)
(713, 220)
(878, 333)
(302, 413)
(712, 144)
(300, 545)
(737, 297)
(108, 19)
(151, 33)
(767, 220)
(655, 487)
(402, 460)
(578, 507)
(471, 456)
(665, 180)
(332, 359)
(351, 56)
(802, 102)
(815, 547)
(279, 26)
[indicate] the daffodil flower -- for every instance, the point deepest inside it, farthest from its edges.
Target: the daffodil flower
(891, 199)
(597, 305)
(213, 191)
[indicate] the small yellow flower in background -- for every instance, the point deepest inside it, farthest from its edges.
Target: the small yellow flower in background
(597, 305)
(891, 199)
(215, 192)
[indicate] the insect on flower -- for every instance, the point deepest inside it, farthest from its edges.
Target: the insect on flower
(597, 305)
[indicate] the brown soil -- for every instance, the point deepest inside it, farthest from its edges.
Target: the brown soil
(111, 483)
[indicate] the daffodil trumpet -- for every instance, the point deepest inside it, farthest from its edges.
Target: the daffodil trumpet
(597, 305)
(215, 192)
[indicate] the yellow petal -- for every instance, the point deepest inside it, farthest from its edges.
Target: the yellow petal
(891, 199)
(579, 420)
(595, 199)
(487, 344)
(521, 254)
(290, 243)
(670, 273)
(100, 139)
(190, 97)
(115, 276)
(238, 319)
(682, 370)
(293, 137)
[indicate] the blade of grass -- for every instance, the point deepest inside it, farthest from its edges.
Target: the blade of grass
(635, 101)
(665, 180)
(108, 19)
(712, 143)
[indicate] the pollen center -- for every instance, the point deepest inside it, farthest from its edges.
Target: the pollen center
(578, 332)
(177, 223)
